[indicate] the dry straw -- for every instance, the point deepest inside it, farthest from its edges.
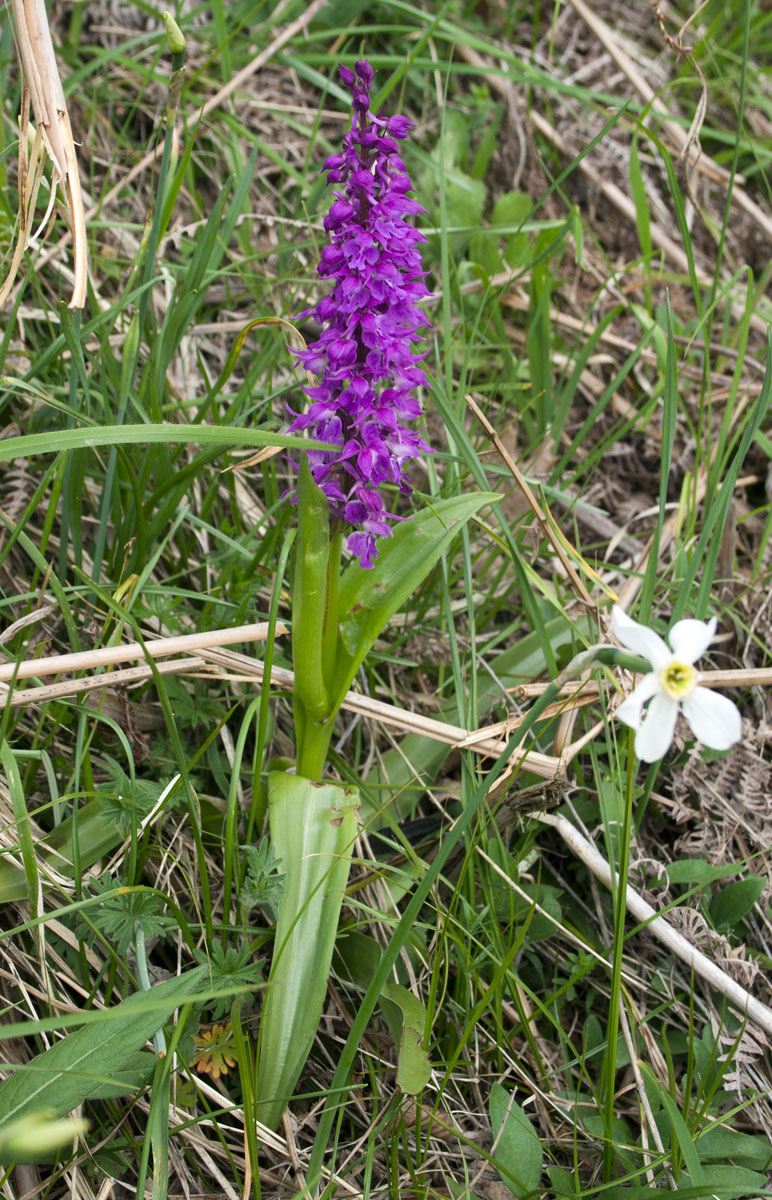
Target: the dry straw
(52, 136)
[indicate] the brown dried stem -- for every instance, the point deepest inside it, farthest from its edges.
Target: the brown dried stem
(42, 89)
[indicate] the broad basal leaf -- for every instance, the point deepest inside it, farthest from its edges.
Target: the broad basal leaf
(313, 827)
(133, 1074)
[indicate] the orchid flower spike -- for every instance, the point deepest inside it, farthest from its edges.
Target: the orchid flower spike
(672, 686)
(367, 357)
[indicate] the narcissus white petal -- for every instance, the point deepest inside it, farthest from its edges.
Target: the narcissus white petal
(639, 638)
(690, 639)
(714, 719)
(653, 739)
(630, 711)
(672, 688)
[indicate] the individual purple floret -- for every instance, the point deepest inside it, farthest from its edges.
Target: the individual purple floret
(365, 358)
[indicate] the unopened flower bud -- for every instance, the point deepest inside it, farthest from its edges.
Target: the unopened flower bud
(37, 1136)
(174, 36)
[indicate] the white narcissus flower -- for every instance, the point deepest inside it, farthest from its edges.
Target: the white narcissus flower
(673, 686)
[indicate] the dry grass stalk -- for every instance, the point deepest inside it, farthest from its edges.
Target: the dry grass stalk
(741, 677)
(42, 89)
(251, 670)
(489, 741)
(624, 205)
(30, 177)
(286, 34)
(89, 660)
(544, 765)
(687, 143)
(549, 528)
(19, 697)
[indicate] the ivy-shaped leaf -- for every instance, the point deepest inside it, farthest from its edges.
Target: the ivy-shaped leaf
(406, 1017)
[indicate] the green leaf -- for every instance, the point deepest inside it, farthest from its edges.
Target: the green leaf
(132, 1075)
(539, 336)
(264, 882)
(740, 1182)
(357, 957)
(77, 1067)
(546, 897)
(313, 827)
(97, 834)
(620, 1133)
(407, 1025)
(464, 205)
(126, 801)
(122, 910)
(509, 213)
(511, 208)
(485, 253)
(454, 198)
(563, 1183)
(54, 441)
(368, 599)
(309, 597)
(745, 1149)
(697, 870)
(640, 197)
(679, 1129)
(228, 967)
(735, 901)
(722, 1179)
(453, 145)
(518, 251)
(517, 1153)
(21, 819)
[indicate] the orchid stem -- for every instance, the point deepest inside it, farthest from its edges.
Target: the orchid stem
(330, 625)
(313, 747)
(314, 625)
(309, 602)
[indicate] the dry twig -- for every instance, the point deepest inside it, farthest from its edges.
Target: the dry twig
(737, 996)
(89, 660)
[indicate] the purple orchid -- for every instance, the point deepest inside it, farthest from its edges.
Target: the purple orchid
(368, 369)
